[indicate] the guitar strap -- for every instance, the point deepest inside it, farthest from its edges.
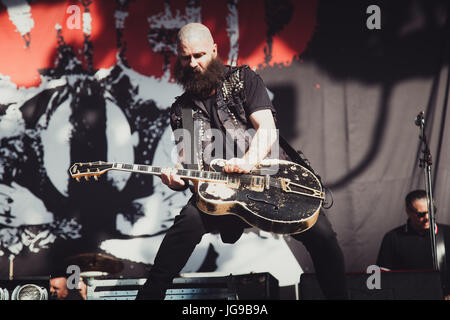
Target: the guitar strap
(189, 137)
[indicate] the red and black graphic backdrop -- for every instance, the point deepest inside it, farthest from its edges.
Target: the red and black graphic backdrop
(92, 80)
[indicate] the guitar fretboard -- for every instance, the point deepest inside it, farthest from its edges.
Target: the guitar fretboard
(183, 173)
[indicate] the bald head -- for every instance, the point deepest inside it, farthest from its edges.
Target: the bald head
(195, 46)
(195, 32)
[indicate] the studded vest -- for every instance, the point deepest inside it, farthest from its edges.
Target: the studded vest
(230, 101)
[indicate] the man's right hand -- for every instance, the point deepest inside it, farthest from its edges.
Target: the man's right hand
(170, 179)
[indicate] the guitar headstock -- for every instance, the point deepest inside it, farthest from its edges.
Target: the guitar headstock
(89, 169)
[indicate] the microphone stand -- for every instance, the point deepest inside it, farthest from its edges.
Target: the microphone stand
(426, 163)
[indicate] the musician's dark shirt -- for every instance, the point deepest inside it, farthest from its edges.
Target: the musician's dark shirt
(255, 92)
(403, 248)
(257, 98)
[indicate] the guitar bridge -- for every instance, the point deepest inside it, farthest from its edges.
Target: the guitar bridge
(286, 187)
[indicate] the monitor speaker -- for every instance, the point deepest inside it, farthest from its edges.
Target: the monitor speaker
(205, 286)
(392, 286)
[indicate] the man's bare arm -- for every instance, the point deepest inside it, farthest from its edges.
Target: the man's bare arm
(262, 142)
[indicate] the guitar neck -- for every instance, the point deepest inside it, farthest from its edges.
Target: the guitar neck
(183, 173)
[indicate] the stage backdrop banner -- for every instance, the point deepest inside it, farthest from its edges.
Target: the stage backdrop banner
(93, 80)
(85, 81)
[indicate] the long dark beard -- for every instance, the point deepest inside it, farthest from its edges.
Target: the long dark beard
(201, 85)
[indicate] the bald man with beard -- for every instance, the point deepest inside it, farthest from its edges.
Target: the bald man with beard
(220, 97)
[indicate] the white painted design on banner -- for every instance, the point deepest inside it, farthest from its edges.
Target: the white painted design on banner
(120, 143)
(233, 31)
(87, 23)
(166, 20)
(251, 253)
(25, 208)
(120, 18)
(19, 12)
(55, 140)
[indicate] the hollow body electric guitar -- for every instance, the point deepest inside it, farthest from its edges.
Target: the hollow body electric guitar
(277, 196)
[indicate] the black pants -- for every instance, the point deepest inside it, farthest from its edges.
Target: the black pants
(191, 224)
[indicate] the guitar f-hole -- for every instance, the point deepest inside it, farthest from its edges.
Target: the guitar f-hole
(275, 207)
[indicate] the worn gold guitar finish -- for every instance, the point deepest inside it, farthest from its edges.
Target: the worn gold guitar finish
(278, 196)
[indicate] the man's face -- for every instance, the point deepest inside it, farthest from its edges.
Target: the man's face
(58, 287)
(419, 218)
(198, 68)
(197, 54)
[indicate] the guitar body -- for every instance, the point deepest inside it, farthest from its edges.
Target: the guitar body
(279, 196)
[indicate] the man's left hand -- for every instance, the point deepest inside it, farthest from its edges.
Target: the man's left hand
(239, 165)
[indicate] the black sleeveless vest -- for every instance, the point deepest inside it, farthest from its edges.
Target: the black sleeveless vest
(234, 122)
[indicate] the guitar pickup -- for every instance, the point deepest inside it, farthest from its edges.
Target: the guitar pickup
(233, 181)
(257, 183)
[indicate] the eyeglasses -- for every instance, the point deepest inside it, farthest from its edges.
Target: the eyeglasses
(421, 214)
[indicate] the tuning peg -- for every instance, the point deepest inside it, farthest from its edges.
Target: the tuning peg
(87, 178)
(96, 178)
(78, 179)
